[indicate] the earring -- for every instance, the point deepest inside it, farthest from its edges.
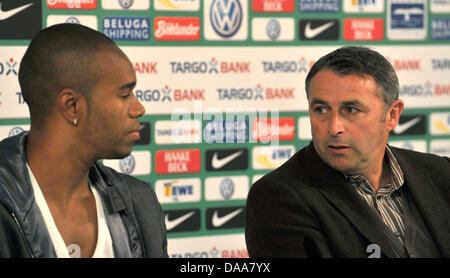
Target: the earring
(75, 121)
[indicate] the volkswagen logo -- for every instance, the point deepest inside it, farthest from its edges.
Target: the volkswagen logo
(127, 164)
(226, 17)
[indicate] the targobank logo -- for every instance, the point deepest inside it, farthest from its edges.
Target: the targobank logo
(127, 28)
(227, 19)
(211, 66)
(170, 94)
(425, 90)
(287, 66)
(8, 68)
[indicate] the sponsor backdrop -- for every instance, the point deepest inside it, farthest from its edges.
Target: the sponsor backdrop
(222, 84)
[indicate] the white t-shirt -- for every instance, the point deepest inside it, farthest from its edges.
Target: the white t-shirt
(103, 249)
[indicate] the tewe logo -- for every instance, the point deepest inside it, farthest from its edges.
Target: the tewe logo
(178, 190)
(226, 19)
(271, 157)
(8, 67)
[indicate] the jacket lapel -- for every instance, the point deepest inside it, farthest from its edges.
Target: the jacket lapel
(341, 194)
(427, 201)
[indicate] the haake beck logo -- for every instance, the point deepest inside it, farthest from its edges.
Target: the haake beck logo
(177, 161)
(20, 19)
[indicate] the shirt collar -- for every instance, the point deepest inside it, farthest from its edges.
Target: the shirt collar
(397, 178)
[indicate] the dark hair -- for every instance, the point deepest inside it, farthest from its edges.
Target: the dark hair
(59, 57)
(361, 61)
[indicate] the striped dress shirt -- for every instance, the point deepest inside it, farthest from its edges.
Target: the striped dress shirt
(387, 201)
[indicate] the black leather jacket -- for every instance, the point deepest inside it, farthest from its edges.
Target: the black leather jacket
(135, 218)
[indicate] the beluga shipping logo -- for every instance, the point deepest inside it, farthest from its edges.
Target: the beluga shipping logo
(227, 19)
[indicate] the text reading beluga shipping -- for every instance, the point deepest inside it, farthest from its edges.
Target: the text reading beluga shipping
(127, 28)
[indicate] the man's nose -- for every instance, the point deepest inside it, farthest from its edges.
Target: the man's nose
(335, 125)
(137, 109)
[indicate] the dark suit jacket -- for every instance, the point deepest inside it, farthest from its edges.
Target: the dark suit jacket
(305, 208)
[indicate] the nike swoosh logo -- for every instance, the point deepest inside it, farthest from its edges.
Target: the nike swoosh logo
(219, 163)
(400, 128)
(220, 221)
(170, 224)
(311, 33)
(7, 14)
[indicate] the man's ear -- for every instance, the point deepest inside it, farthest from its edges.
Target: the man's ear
(68, 103)
(393, 114)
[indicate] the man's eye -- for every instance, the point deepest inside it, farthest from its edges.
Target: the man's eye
(126, 96)
(320, 109)
(352, 110)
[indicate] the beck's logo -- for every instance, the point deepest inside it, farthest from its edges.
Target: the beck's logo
(177, 161)
(226, 159)
(273, 6)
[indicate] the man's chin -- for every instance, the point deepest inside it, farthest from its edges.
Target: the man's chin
(118, 154)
